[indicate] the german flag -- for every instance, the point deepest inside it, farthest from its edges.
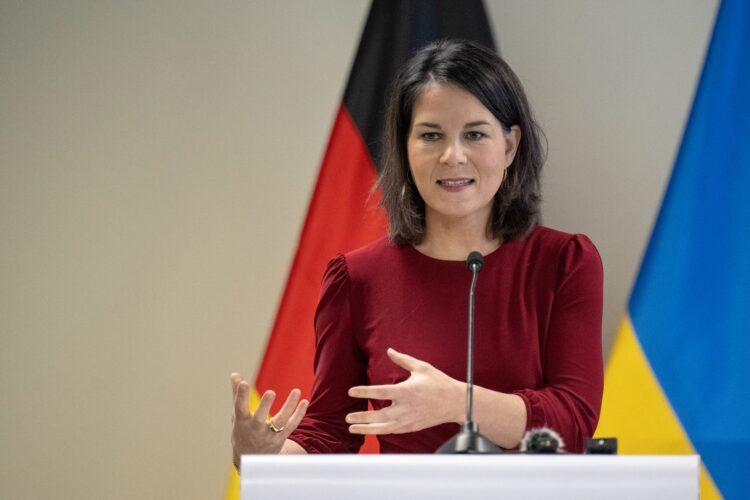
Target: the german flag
(342, 214)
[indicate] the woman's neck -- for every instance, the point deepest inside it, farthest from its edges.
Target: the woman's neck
(454, 240)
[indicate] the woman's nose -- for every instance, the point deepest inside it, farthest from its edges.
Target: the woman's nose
(453, 154)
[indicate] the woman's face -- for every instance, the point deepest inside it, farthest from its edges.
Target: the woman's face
(457, 152)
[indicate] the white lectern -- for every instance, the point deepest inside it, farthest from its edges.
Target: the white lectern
(416, 477)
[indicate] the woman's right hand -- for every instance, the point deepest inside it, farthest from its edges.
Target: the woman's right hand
(256, 432)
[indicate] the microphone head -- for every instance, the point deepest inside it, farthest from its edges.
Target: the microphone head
(542, 440)
(475, 261)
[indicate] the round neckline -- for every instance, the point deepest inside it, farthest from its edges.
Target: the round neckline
(447, 261)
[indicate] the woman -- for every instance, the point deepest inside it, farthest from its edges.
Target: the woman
(461, 172)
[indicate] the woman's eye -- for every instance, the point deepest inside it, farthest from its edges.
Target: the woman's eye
(475, 136)
(430, 136)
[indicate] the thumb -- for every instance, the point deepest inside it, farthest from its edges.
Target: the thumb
(404, 360)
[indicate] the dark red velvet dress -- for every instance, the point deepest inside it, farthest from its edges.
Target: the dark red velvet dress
(538, 334)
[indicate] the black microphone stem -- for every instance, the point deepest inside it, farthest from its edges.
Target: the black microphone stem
(470, 361)
(468, 439)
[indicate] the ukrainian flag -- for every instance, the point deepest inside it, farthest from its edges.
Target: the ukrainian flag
(678, 380)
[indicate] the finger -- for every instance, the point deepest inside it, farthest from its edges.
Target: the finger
(241, 404)
(236, 379)
(296, 417)
(404, 360)
(383, 428)
(373, 391)
(290, 404)
(261, 414)
(368, 417)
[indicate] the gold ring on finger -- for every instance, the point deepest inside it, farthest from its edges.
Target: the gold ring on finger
(274, 428)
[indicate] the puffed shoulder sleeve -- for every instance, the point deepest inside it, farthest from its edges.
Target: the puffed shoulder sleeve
(339, 365)
(571, 398)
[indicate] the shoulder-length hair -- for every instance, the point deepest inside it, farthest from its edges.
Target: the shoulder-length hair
(481, 72)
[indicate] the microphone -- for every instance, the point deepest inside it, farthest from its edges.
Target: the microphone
(474, 262)
(542, 440)
(468, 439)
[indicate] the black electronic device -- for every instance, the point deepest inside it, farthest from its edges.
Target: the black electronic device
(601, 446)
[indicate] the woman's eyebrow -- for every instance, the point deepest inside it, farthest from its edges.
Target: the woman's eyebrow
(468, 125)
(428, 125)
(477, 123)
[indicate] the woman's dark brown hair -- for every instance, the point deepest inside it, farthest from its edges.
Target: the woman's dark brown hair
(481, 72)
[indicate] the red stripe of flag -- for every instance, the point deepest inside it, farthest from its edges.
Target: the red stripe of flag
(342, 216)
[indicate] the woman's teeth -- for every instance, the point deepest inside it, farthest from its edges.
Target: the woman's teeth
(456, 183)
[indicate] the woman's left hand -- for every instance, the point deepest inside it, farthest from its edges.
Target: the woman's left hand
(427, 398)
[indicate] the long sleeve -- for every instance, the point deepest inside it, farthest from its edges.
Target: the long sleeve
(570, 400)
(339, 365)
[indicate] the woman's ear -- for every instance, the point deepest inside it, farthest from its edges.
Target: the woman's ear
(512, 140)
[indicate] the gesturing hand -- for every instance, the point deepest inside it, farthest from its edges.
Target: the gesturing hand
(255, 432)
(428, 397)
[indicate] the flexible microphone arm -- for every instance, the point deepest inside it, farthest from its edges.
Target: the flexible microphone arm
(468, 439)
(475, 261)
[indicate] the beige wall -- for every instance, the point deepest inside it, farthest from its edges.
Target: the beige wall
(156, 159)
